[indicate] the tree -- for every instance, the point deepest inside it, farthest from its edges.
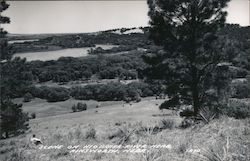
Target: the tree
(3, 41)
(27, 97)
(15, 79)
(186, 29)
(14, 121)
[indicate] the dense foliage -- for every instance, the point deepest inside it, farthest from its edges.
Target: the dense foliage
(13, 79)
(4, 53)
(51, 94)
(13, 120)
(67, 69)
(61, 41)
(187, 30)
(16, 76)
(100, 92)
(121, 48)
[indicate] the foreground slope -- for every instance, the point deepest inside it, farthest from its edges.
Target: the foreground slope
(139, 123)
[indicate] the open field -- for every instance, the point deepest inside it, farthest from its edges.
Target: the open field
(117, 123)
(84, 83)
(42, 108)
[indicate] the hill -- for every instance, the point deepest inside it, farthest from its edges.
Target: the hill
(137, 124)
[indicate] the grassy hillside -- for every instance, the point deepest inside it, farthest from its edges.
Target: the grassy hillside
(139, 123)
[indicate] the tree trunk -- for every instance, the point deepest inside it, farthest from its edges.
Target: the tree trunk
(6, 134)
(195, 91)
(196, 102)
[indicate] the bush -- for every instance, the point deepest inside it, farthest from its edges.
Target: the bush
(45, 76)
(164, 105)
(238, 72)
(237, 108)
(167, 124)
(81, 106)
(74, 109)
(187, 113)
(169, 104)
(57, 94)
(33, 115)
(186, 123)
(240, 89)
(27, 97)
(51, 94)
(110, 92)
(90, 133)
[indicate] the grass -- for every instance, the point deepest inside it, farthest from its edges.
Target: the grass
(221, 140)
(42, 108)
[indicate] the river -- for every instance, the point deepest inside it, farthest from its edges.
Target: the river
(54, 55)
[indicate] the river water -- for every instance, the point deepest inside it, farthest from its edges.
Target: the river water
(54, 55)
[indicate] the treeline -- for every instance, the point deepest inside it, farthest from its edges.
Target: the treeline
(17, 74)
(67, 69)
(236, 42)
(100, 50)
(56, 42)
(100, 92)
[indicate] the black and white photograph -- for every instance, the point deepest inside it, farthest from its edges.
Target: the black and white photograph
(125, 80)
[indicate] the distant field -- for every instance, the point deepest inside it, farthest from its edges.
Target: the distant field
(84, 83)
(42, 108)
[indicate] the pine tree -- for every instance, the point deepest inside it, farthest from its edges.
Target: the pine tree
(3, 41)
(186, 30)
(14, 121)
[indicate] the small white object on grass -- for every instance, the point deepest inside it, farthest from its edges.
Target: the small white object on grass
(35, 140)
(193, 150)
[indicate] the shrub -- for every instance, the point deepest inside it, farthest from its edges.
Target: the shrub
(169, 104)
(186, 123)
(57, 94)
(27, 97)
(143, 88)
(187, 113)
(167, 124)
(164, 105)
(45, 76)
(240, 89)
(90, 133)
(33, 115)
(106, 92)
(138, 99)
(238, 72)
(81, 106)
(74, 109)
(51, 94)
(120, 135)
(237, 108)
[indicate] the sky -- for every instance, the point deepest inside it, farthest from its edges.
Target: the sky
(29, 17)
